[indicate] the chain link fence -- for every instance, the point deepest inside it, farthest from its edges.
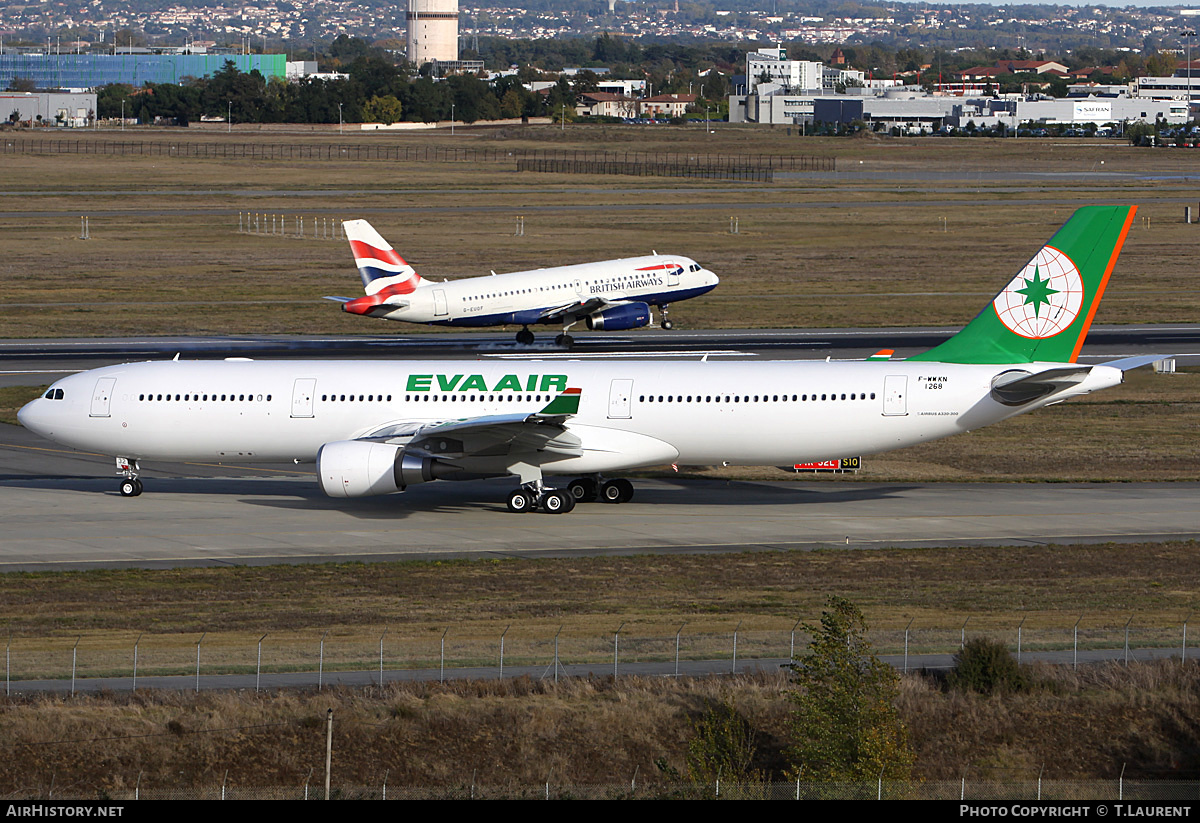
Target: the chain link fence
(1046, 791)
(356, 656)
(292, 152)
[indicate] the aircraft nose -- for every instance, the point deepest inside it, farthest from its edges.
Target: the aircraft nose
(32, 416)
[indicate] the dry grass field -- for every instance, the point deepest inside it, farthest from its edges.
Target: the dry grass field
(165, 257)
(517, 736)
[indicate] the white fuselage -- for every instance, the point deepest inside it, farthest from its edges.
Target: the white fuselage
(631, 414)
(526, 297)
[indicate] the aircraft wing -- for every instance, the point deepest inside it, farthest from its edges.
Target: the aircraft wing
(494, 435)
(580, 308)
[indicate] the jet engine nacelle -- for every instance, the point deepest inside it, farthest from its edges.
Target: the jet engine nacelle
(620, 318)
(359, 468)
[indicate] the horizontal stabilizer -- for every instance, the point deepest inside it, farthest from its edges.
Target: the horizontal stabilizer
(1018, 387)
(1127, 363)
(337, 299)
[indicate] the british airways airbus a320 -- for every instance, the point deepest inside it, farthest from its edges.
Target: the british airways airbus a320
(376, 426)
(612, 294)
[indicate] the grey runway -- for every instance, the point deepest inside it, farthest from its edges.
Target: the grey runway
(62, 511)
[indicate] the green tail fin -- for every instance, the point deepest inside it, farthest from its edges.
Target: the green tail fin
(1044, 313)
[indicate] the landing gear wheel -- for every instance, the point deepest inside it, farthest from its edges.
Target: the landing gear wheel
(667, 325)
(557, 502)
(130, 488)
(564, 340)
(584, 490)
(137, 483)
(617, 491)
(520, 501)
(525, 337)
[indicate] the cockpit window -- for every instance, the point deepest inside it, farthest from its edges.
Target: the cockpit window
(53, 394)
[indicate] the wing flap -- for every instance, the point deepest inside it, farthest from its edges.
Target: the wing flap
(492, 435)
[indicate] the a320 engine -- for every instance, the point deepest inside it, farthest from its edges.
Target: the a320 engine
(620, 318)
(359, 468)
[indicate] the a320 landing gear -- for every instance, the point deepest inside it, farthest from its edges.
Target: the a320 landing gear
(666, 324)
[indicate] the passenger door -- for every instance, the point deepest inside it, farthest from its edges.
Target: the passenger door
(303, 391)
(895, 395)
(620, 396)
(102, 396)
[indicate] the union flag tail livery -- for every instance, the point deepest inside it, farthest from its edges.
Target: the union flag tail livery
(1044, 313)
(385, 274)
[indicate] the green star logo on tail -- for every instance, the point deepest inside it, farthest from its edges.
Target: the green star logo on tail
(1044, 298)
(1037, 292)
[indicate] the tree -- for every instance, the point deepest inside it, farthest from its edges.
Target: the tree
(722, 747)
(845, 725)
(987, 667)
(386, 110)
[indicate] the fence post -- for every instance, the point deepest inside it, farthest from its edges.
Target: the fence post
(321, 661)
(505, 632)
(616, 648)
(74, 654)
(136, 643)
(258, 673)
(1020, 626)
(677, 634)
(198, 642)
(385, 631)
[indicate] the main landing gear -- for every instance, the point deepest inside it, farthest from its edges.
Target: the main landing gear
(525, 336)
(553, 501)
(130, 485)
(531, 496)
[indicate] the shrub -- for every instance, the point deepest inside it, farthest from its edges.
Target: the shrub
(986, 666)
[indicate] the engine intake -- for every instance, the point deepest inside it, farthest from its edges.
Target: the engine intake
(359, 468)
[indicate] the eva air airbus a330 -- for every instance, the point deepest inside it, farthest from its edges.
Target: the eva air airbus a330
(375, 427)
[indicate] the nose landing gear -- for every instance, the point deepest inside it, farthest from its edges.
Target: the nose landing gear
(128, 469)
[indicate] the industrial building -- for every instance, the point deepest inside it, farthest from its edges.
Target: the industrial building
(68, 109)
(132, 67)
